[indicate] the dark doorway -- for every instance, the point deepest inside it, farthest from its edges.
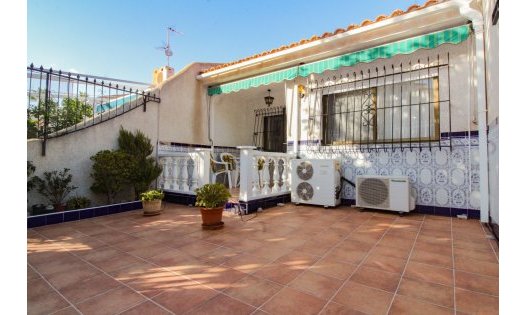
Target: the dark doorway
(269, 129)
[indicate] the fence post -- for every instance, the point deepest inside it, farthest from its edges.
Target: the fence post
(202, 166)
(46, 115)
(245, 167)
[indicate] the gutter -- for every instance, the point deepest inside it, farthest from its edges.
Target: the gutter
(477, 21)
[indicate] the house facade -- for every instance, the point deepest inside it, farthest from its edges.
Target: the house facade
(409, 93)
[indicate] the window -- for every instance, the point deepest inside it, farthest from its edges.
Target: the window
(398, 112)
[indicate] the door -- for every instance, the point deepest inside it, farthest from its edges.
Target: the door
(269, 129)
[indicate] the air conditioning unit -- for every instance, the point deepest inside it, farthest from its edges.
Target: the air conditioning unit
(384, 192)
(315, 182)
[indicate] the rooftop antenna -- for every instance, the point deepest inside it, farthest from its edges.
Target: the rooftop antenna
(166, 45)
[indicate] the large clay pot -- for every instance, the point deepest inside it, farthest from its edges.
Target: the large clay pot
(153, 207)
(212, 217)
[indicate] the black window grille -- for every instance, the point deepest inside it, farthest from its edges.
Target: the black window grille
(269, 129)
(396, 106)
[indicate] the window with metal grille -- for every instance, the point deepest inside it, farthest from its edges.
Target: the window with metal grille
(269, 129)
(398, 112)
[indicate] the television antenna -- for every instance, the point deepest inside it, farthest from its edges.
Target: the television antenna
(166, 45)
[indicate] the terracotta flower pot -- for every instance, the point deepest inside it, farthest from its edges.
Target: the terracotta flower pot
(212, 217)
(153, 207)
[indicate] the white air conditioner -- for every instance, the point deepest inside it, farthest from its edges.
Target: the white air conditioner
(384, 192)
(315, 182)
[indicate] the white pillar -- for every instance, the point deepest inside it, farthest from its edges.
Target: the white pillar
(246, 172)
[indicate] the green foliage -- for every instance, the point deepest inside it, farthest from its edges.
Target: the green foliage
(144, 169)
(261, 163)
(212, 195)
(77, 202)
(68, 113)
(110, 172)
(55, 185)
(30, 180)
(151, 195)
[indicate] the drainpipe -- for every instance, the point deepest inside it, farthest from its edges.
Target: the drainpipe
(478, 26)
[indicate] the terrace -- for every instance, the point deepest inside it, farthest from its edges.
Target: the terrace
(289, 259)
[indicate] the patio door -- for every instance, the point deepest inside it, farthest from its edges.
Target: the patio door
(269, 129)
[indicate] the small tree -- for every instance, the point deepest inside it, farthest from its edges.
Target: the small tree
(56, 186)
(110, 172)
(144, 169)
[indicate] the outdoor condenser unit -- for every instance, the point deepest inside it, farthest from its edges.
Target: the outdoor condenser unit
(384, 192)
(315, 182)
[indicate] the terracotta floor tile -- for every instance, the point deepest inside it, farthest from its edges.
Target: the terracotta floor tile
(198, 248)
(429, 273)
(279, 273)
(153, 283)
(375, 278)
(67, 311)
(476, 245)
(434, 293)
(338, 309)
(333, 268)
(114, 301)
(315, 247)
(486, 255)
(148, 308)
(181, 300)
(218, 277)
(344, 255)
(477, 283)
(219, 255)
(298, 260)
(270, 252)
(405, 305)
(352, 244)
(431, 258)
(252, 290)
(31, 273)
(391, 252)
(476, 303)
(443, 249)
(385, 263)
(363, 298)
(291, 301)
(42, 299)
(63, 279)
(316, 284)
(134, 271)
(246, 263)
(222, 304)
(396, 242)
(89, 287)
(477, 266)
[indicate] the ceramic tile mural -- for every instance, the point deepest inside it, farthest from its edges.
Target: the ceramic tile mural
(439, 177)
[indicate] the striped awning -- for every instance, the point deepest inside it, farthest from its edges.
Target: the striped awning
(453, 35)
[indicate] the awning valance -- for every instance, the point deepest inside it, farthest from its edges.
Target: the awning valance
(454, 35)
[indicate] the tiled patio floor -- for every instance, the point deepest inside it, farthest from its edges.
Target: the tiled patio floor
(288, 260)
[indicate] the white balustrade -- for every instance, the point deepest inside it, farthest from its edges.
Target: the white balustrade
(256, 183)
(177, 178)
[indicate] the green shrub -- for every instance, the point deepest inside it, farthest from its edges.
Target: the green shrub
(77, 202)
(110, 172)
(55, 185)
(212, 195)
(30, 180)
(151, 195)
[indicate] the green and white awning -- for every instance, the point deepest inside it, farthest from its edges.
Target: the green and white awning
(454, 35)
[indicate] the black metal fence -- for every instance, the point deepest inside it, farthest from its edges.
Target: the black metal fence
(388, 107)
(60, 102)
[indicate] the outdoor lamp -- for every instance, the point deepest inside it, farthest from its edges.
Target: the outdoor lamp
(269, 99)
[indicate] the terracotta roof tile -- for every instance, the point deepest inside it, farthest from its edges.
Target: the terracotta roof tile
(365, 22)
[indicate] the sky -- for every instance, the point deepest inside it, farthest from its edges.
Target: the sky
(118, 38)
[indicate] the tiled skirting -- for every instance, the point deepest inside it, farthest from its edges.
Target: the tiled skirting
(75, 215)
(442, 211)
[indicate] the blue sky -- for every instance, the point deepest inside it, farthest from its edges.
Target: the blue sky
(118, 38)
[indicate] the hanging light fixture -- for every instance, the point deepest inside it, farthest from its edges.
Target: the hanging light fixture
(269, 99)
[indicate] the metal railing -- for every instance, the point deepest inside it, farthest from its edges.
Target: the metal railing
(60, 103)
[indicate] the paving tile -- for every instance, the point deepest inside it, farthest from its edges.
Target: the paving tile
(31, 273)
(476, 303)
(433, 293)
(405, 305)
(181, 300)
(148, 308)
(42, 299)
(252, 290)
(476, 266)
(218, 277)
(378, 279)
(385, 263)
(78, 273)
(86, 288)
(292, 301)
(247, 263)
(344, 255)
(332, 268)
(154, 282)
(338, 309)
(279, 273)
(222, 304)
(391, 252)
(431, 258)
(363, 298)
(111, 302)
(481, 255)
(477, 283)
(316, 284)
(429, 273)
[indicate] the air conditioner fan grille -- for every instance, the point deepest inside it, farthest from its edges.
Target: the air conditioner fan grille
(374, 192)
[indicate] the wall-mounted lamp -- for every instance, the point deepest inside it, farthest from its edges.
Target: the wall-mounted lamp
(269, 99)
(301, 91)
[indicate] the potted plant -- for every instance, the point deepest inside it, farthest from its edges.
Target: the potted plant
(151, 202)
(56, 186)
(212, 199)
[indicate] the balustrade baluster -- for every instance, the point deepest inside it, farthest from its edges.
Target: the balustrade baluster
(184, 174)
(275, 177)
(256, 188)
(266, 177)
(176, 172)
